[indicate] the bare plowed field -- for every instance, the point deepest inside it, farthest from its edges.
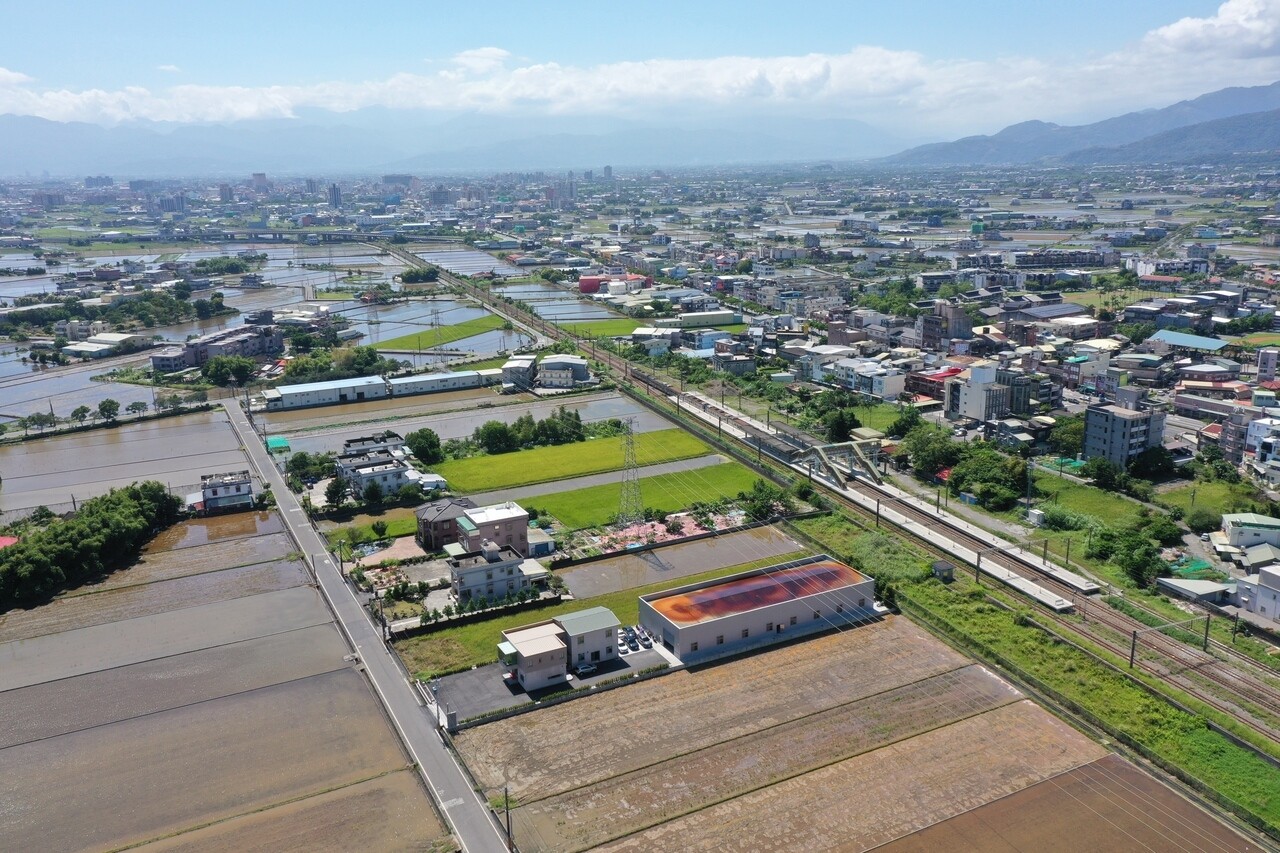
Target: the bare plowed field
(159, 774)
(53, 656)
(389, 813)
(579, 743)
(1106, 805)
(114, 605)
(586, 817)
(58, 707)
(875, 797)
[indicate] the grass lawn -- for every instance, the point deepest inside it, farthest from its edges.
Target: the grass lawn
(465, 646)
(1217, 496)
(878, 416)
(543, 464)
(1260, 339)
(1108, 507)
(595, 505)
(1098, 299)
(400, 522)
(429, 338)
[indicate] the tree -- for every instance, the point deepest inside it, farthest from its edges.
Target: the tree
(765, 500)
(908, 420)
(840, 423)
(137, 407)
(372, 493)
(108, 409)
(1067, 436)
(204, 308)
(496, 437)
(79, 414)
(336, 492)
(1203, 520)
(424, 444)
(1154, 463)
(409, 493)
(1104, 474)
(223, 369)
(379, 529)
(930, 449)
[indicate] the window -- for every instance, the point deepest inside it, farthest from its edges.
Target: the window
(793, 620)
(581, 640)
(862, 602)
(720, 640)
(581, 657)
(746, 632)
(608, 650)
(817, 614)
(693, 647)
(839, 608)
(768, 626)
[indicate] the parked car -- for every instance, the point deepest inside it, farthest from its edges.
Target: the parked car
(646, 642)
(1204, 537)
(633, 644)
(622, 649)
(585, 668)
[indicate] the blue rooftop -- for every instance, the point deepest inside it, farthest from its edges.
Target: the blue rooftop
(1185, 341)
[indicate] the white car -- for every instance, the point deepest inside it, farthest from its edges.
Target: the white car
(585, 668)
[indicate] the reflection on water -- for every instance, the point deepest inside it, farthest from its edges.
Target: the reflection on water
(203, 531)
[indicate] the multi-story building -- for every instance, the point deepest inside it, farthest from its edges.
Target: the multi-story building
(1268, 359)
(507, 524)
(977, 395)
(491, 572)
(247, 341)
(438, 521)
(391, 473)
(1119, 431)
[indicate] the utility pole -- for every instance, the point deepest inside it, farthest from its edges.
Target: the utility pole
(1133, 649)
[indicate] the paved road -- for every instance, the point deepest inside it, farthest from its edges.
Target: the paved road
(468, 816)
(522, 492)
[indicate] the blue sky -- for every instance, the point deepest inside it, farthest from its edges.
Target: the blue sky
(946, 67)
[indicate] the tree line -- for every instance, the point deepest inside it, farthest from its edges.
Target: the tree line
(106, 534)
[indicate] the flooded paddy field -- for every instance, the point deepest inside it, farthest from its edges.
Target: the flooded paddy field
(161, 634)
(176, 769)
(594, 408)
(383, 814)
(677, 561)
(175, 451)
(204, 690)
(57, 707)
(69, 612)
(376, 411)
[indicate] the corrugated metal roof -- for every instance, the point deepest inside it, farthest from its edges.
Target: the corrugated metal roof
(1182, 339)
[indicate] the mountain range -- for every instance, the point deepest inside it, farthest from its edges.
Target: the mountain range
(1215, 127)
(1211, 127)
(374, 141)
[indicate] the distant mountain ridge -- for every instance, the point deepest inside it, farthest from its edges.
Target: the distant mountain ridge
(1034, 141)
(1220, 140)
(378, 140)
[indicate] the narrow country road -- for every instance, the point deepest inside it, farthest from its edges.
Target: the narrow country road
(468, 816)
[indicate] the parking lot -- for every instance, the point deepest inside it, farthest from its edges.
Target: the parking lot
(483, 690)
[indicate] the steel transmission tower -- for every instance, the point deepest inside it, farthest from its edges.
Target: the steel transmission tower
(630, 505)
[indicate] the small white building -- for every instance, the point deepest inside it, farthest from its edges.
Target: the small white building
(720, 617)
(540, 655)
(222, 493)
(493, 573)
(1260, 593)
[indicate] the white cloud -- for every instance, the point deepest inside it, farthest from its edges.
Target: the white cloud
(1238, 45)
(13, 78)
(1241, 28)
(169, 69)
